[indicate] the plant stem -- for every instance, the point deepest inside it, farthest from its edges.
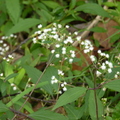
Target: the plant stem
(96, 103)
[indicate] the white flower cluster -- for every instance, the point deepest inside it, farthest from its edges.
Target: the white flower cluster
(88, 47)
(103, 54)
(14, 86)
(9, 58)
(60, 41)
(54, 80)
(104, 66)
(117, 74)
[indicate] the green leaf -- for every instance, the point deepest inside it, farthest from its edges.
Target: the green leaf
(92, 107)
(116, 112)
(98, 29)
(23, 25)
(72, 4)
(26, 106)
(73, 113)
(114, 85)
(13, 7)
(15, 99)
(32, 72)
(19, 77)
(92, 8)
(51, 4)
(69, 96)
(43, 114)
(3, 107)
(11, 76)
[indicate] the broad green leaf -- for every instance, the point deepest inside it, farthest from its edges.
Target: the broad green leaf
(69, 96)
(13, 7)
(23, 25)
(15, 99)
(74, 113)
(72, 4)
(51, 4)
(19, 77)
(92, 107)
(3, 107)
(92, 8)
(114, 85)
(32, 72)
(43, 114)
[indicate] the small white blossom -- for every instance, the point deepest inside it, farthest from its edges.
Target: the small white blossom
(116, 76)
(109, 70)
(78, 38)
(52, 51)
(64, 89)
(57, 55)
(99, 51)
(70, 61)
(57, 45)
(67, 26)
(98, 73)
(76, 33)
(39, 26)
(92, 57)
(14, 88)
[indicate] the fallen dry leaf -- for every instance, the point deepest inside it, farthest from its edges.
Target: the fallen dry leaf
(102, 37)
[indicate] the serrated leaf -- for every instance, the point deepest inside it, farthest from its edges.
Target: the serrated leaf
(69, 96)
(51, 4)
(114, 85)
(92, 8)
(13, 7)
(92, 107)
(43, 114)
(23, 25)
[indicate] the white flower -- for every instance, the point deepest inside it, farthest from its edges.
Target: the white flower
(104, 89)
(116, 76)
(59, 26)
(99, 51)
(78, 38)
(107, 56)
(1, 41)
(53, 77)
(64, 89)
(92, 57)
(57, 55)
(110, 65)
(57, 45)
(67, 26)
(34, 40)
(39, 26)
(76, 33)
(70, 61)
(1, 74)
(109, 70)
(60, 92)
(63, 48)
(72, 55)
(98, 73)
(64, 52)
(62, 85)
(60, 72)
(14, 88)
(118, 72)
(52, 51)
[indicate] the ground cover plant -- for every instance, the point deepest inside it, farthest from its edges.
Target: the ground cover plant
(59, 60)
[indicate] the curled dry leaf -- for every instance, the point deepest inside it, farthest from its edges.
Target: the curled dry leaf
(102, 37)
